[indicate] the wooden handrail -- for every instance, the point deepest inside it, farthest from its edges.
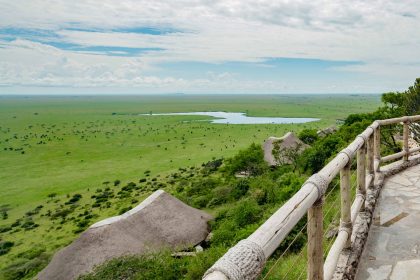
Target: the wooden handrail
(258, 247)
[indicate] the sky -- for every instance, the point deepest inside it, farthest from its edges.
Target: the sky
(208, 46)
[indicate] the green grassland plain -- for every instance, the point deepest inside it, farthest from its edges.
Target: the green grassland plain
(76, 144)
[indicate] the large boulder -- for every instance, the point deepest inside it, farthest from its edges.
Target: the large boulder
(280, 150)
(160, 221)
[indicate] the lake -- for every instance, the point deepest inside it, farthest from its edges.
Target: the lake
(239, 118)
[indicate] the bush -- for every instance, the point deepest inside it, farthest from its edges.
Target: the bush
(240, 188)
(160, 266)
(5, 247)
(202, 186)
(200, 201)
(29, 224)
(250, 160)
(212, 166)
(224, 234)
(74, 199)
(52, 195)
(245, 213)
(315, 157)
(308, 136)
(220, 195)
(5, 229)
(123, 210)
(32, 253)
(198, 265)
(289, 184)
(27, 267)
(62, 213)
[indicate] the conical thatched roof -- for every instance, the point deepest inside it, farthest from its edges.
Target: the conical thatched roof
(159, 221)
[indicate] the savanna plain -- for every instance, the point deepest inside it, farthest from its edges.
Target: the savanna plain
(67, 162)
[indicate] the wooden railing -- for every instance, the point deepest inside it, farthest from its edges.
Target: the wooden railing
(246, 259)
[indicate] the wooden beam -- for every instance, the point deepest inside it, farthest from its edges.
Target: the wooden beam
(406, 148)
(270, 234)
(345, 201)
(315, 246)
(394, 156)
(361, 172)
(370, 157)
(377, 148)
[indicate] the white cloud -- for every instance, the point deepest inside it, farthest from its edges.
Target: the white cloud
(381, 34)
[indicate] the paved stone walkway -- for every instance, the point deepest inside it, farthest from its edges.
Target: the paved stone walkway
(392, 250)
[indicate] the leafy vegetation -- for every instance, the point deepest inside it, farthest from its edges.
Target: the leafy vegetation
(308, 136)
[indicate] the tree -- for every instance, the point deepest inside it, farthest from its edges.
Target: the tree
(308, 136)
(250, 160)
(404, 103)
(412, 99)
(287, 155)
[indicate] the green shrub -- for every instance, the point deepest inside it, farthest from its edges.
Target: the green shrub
(212, 166)
(198, 265)
(26, 268)
(202, 186)
(315, 157)
(250, 160)
(29, 224)
(240, 188)
(224, 234)
(32, 253)
(246, 212)
(220, 195)
(200, 201)
(159, 266)
(289, 184)
(259, 195)
(74, 199)
(5, 247)
(123, 210)
(5, 229)
(308, 136)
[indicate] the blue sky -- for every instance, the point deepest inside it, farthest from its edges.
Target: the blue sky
(162, 46)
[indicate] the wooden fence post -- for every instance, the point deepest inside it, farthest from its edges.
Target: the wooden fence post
(377, 148)
(405, 143)
(345, 221)
(371, 158)
(361, 172)
(315, 238)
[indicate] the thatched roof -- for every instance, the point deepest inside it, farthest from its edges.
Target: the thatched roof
(159, 221)
(288, 141)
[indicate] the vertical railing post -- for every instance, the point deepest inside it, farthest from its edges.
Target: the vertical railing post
(361, 172)
(371, 158)
(315, 245)
(345, 222)
(377, 146)
(405, 139)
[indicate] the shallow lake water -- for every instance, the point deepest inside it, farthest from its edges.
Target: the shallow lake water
(239, 118)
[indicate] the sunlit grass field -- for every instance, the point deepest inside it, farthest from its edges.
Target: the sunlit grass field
(68, 145)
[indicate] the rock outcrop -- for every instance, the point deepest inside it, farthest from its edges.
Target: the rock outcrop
(275, 149)
(160, 221)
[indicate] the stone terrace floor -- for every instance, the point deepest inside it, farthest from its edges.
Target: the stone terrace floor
(392, 250)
